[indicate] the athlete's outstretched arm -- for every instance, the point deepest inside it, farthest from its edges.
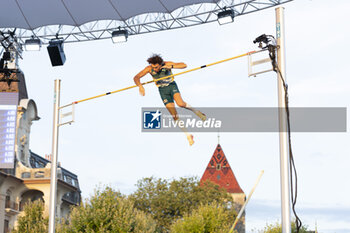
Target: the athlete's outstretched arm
(138, 77)
(174, 65)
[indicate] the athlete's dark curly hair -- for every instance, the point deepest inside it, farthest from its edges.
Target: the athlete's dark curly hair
(155, 59)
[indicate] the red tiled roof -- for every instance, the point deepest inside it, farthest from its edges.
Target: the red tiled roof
(219, 172)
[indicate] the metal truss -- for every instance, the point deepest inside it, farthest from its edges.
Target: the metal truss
(151, 22)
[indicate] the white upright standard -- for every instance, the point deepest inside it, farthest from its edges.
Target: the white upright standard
(53, 182)
(283, 136)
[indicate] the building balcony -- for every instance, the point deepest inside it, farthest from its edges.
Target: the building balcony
(72, 198)
(45, 173)
(36, 174)
(11, 207)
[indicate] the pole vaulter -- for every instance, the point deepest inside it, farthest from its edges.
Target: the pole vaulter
(155, 80)
(164, 80)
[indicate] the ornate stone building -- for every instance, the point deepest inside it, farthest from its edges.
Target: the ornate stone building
(29, 179)
(219, 172)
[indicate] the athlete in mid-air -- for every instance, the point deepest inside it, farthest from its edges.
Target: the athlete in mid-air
(167, 87)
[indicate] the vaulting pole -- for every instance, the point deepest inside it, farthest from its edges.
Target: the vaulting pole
(283, 137)
(53, 183)
(155, 80)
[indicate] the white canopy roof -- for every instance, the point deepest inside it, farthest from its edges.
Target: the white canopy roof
(84, 20)
(31, 14)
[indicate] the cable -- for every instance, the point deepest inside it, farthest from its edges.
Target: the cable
(269, 42)
(292, 167)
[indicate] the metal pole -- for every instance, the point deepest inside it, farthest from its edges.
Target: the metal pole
(283, 139)
(53, 183)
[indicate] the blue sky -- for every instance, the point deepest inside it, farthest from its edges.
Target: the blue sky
(106, 146)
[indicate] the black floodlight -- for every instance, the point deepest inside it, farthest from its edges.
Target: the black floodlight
(56, 52)
(6, 56)
(226, 16)
(32, 45)
(120, 36)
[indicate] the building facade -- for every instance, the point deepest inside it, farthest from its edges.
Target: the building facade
(29, 178)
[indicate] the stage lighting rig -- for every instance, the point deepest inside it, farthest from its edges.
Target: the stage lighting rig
(226, 16)
(119, 36)
(9, 56)
(10, 43)
(32, 44)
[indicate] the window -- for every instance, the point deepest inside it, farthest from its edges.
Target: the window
(6, 226)
(25, 175)
(8, 201)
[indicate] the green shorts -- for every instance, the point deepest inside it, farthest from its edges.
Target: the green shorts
(167, 93)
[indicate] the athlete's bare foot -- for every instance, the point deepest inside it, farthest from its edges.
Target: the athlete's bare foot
(201, 115)
(190, 139)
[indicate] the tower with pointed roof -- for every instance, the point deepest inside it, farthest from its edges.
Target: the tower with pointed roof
(219, 172)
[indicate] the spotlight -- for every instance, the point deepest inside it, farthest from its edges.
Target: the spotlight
(119, 36)
(32, 44)
(56, 52)
(6, 56)
(226, 16)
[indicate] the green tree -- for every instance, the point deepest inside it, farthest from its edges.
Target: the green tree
(108, 211)
(32, 220)
(168, 201)
(277, 228)
(209, 218)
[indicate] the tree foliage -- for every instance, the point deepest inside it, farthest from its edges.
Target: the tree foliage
(32, 220)
(208, 218)
(108, 211)
(167, 201)
(277, 228)
(153, 207)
